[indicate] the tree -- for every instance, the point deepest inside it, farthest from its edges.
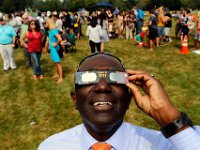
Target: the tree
(10, 6)
(190, 3)
(7, 7)
(173, 5)
(52, 5)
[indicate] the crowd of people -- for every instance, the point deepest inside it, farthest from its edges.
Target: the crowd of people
(57, 32)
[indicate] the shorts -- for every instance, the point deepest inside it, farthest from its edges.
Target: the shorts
(153, 33)
(167, 31)
(184, 30)
(197, 36)
(161, 31)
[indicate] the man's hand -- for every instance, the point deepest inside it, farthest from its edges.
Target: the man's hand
(155, 101)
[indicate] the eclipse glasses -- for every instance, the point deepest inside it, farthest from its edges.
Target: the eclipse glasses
(92, 77)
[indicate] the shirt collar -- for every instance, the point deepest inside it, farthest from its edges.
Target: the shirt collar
(86, 139)
(115, 140)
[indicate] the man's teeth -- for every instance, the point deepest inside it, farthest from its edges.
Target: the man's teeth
(102, 103)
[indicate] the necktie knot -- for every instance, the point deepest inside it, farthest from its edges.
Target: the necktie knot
(101, 146)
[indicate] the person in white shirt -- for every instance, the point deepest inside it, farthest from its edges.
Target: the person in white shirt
(102, 95)
(95, 34)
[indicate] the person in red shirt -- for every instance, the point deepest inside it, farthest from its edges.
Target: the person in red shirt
(34, 46)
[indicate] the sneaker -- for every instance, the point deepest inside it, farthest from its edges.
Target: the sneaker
(35, 77)
(41, 77)
(6, 69)
(14, 68)
(170, 40)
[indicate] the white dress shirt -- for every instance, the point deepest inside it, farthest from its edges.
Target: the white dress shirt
(127, 137)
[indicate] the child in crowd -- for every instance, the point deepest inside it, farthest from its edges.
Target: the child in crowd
(139, 39)
(68, 39)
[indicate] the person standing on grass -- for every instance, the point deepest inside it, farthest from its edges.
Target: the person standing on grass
(76, 24)
(34, 46)
(53, 42)
(120, 24)
(94, 33)
(168, 25)
(140, 20)
(110, 18)
(129, 18)
(178, 24)
(7, 43)
(104, 27)
(197, 33)
(153, 30)
(161, 24)
(23, 29)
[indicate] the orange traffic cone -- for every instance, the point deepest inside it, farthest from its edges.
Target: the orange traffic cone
(184, 49)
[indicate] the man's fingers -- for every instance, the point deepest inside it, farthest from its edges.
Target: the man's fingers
(139, 75)
(142, 78)
(136, 93)
(134, 72)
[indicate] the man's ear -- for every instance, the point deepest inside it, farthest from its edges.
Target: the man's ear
(74, 99)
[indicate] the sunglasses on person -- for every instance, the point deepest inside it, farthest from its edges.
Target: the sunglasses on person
(92, 77)
(32, 23)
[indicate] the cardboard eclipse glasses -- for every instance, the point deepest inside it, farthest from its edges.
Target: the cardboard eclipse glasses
(92, 77)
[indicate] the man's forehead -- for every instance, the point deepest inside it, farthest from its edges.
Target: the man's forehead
(101, 62)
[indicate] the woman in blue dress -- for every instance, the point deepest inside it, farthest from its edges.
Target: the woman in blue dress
(54, 40)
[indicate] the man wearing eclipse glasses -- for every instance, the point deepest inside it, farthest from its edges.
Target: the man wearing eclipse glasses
(102, 94)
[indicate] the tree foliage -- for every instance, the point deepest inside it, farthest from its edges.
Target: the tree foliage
(17, 5)
(9, 6)
(190, 3)
(51, 5)
(172, 4)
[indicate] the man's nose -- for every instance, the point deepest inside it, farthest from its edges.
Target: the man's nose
(102, 86)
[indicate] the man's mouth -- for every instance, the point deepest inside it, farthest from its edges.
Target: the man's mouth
(102, 104)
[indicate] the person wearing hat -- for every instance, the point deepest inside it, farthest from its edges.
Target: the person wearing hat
(7, 43)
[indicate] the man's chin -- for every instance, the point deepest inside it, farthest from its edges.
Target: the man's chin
(105, 123)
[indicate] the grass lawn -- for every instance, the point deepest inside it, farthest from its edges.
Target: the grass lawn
(30, 111)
